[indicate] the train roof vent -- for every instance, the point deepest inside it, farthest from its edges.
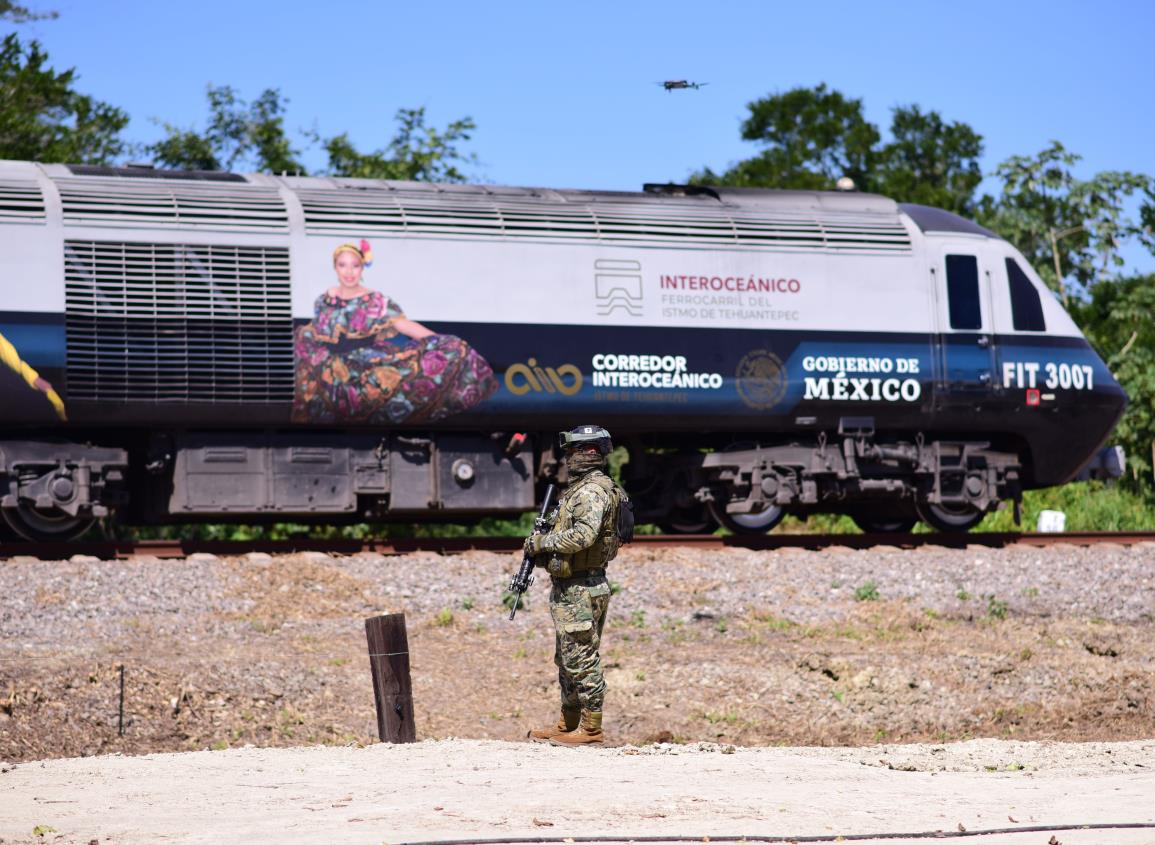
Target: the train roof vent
(142, 204)
(824, 230)
(354, 211)
(148, 171)
(21, 201)
(178, 323)
(602, 218)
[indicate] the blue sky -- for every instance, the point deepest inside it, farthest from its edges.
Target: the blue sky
(565, 95)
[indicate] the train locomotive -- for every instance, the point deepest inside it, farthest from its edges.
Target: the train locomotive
(174, 347)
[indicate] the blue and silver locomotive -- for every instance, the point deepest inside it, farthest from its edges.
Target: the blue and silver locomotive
(180, 346)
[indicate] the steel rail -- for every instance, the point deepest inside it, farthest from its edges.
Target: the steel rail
(122, 549)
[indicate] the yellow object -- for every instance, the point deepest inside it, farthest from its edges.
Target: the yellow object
(361, 250)
(347, 247)
(10, 357)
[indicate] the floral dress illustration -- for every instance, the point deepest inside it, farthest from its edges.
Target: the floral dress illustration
(354, 366)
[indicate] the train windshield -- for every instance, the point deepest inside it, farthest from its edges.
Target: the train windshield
(1026, 307)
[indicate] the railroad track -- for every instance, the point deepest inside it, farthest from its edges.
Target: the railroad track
(121, 549)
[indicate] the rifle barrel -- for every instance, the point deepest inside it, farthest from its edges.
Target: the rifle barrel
(524, 577)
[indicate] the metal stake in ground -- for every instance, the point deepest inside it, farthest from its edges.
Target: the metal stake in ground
(120, 716)
(392, 689)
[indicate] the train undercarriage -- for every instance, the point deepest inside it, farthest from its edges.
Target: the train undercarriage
(885, 486)
(56, 490)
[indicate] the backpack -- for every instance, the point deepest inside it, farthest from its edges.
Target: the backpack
(622, 516)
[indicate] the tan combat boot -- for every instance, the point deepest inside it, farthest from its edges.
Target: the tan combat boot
(568, 721)
(589, 731)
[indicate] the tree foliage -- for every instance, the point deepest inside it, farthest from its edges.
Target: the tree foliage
(252, 136)
(417, 152)
(44, 119)
(1070, 229)
(811, 137)
(1119, 319)
(929, 161)
(15, 13)
(239, 134)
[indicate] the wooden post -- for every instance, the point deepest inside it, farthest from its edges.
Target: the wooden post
(389, 663)
(120, 716)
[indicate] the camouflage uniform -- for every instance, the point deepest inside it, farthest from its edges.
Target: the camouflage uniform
(583, 539)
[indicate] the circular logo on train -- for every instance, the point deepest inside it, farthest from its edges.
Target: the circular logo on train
(761, 379)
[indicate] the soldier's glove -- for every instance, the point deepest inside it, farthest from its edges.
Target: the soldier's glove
(532, 545)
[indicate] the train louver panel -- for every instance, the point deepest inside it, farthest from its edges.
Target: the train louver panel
(178, 323)
(21, 201)
(354, 212)
(135, 203)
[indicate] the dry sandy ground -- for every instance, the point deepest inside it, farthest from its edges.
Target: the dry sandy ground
(475, 790)
(788, 648)
(770, 654)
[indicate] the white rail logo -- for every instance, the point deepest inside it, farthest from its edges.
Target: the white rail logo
(618, 286)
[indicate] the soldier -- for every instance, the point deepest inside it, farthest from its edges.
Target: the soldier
(575, 551)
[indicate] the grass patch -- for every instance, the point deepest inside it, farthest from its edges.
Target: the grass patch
(727, 718)
(996, 608)
(1089, 506)
(775, 623)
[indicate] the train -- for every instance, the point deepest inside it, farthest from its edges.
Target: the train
(181, 346)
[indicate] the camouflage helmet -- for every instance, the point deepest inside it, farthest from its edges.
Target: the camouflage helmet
(585, 435)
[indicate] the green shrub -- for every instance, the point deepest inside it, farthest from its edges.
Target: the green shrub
(1089, 506)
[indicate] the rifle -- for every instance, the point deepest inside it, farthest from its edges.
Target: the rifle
(524, 577)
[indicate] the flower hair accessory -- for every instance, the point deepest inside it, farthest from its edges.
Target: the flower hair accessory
(366, 253)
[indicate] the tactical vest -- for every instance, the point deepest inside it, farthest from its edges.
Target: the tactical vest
(606, 546)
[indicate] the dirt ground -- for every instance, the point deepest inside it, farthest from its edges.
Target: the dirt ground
(750, 648)
(1005, 793)
(733, 648)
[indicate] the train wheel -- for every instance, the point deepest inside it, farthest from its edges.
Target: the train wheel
(7, 535)
(950, 517)
(45, 525)
(877, 524)
(747, 523)
(687, 522)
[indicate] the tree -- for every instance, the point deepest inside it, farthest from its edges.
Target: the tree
(1119, 319)
(417, 152)
(238, 135)
(814, 136)
(15, 13)
(930, 161)
(252, 137)
(44, 119)
(1068, 228)
(811, 137)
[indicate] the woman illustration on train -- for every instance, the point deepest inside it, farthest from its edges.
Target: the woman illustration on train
(362, 360)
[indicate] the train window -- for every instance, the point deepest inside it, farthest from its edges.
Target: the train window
(962, 291)
(1026, 308)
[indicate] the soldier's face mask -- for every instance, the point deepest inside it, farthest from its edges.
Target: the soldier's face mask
(584, 458)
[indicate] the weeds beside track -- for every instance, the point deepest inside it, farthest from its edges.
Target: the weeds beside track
(119, 549)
